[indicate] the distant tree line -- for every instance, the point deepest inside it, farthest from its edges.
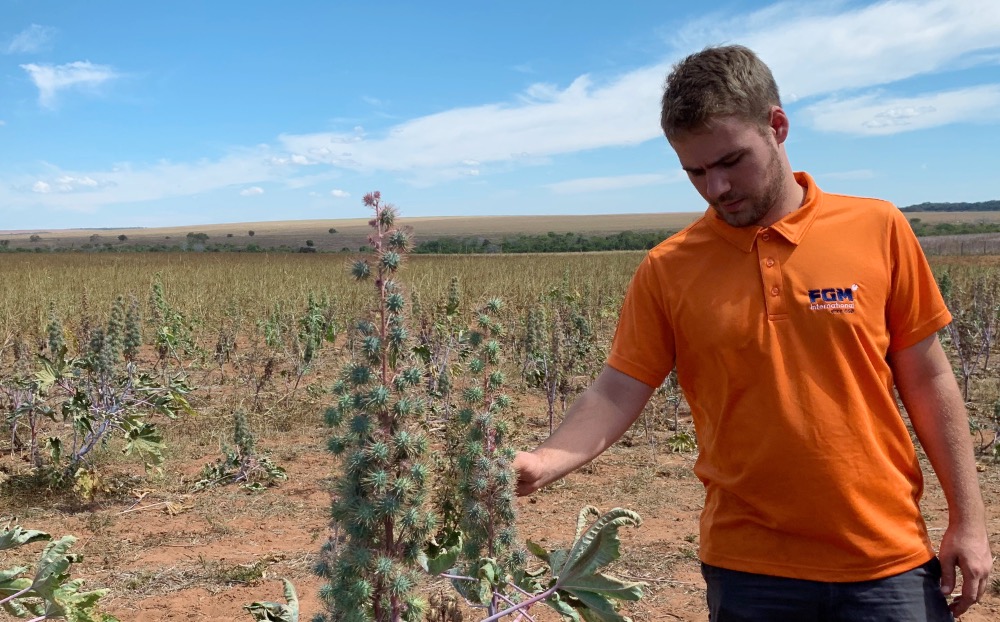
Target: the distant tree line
(927, 229)
(550, 242)
(982, 206)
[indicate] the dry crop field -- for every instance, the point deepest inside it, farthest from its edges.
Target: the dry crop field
(347, 233)
(267, 336)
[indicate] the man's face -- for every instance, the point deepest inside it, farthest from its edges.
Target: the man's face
(736, 167)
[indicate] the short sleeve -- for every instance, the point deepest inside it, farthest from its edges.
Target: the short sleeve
(916, 309)
(643, 347)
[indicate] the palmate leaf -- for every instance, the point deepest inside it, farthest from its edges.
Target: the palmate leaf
(277, 612)
(581, 592)
(75, 606)
(144, 439)
(53, 567)
(10, 538)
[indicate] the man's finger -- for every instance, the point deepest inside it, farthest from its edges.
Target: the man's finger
(947, 576)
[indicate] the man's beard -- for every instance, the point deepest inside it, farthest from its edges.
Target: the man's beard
(755, 207)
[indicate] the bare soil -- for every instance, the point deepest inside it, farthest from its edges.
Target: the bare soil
(169, 554)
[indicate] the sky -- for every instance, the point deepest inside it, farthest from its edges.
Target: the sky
(128, 114)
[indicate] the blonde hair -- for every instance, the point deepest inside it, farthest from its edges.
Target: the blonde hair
(718, 81)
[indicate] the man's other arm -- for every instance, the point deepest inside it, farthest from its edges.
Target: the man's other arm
(593, 423)
(932, 399)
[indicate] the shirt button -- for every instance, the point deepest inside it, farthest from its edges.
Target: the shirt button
(769, 262)
(775, 291)
(765, 237)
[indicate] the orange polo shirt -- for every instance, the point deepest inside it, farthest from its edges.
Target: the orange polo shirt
(780, 337)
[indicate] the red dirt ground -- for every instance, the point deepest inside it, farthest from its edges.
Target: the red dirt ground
(169, 555)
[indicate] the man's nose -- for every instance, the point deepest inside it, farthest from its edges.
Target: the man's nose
(717, 184)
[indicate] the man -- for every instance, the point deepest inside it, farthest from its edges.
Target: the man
(790, 315)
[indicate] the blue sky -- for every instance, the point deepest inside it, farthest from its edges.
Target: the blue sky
(173, 113)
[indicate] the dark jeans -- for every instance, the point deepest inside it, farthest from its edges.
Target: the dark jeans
(913, 596)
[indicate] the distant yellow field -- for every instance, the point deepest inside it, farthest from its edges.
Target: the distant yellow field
(351, 233)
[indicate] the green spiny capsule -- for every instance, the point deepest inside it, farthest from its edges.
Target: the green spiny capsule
(360, 375)
(378, 481)
(403, 407)
(398, 336)
(484, 321)
(365, 327)
(399, 240)
(391, 260)
(371, 346)
(402, 486)
(336, 445)
(412, 375)
(379, 452)
(473, 395)
(378, 397)
(465, 415)
(477, 366)
(395, 302)
(494, 305)
(503, 401)
(401, 584)
(495, 381)
(419, 473)
(492, 352)
(475, 339)
(361, 270)
(384, 567)
(362, 425)
(332, 416)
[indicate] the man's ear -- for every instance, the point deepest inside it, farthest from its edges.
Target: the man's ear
(778, 122)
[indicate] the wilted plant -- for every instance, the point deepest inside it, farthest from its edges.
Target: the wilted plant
(50, 592)
(99, 395)
(559, 346)
(379, 500)
(241, 464)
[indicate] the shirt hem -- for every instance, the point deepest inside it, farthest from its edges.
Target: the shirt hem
(826, 575)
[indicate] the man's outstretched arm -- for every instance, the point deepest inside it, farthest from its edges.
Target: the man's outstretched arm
(593, 423)
(932, 399)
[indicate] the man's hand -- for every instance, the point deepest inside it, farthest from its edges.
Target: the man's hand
(968, 549)
(529, 473)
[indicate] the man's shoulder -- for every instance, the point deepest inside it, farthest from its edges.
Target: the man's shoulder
(856, 202)
(695, 233)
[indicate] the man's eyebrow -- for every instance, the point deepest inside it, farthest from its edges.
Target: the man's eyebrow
(729, 156)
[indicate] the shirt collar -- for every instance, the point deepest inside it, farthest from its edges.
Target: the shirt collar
(792, 227)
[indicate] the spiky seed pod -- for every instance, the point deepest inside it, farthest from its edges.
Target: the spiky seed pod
(133, 331)
(391, 260)
(54, 331)
(399, 240)
(361, 270)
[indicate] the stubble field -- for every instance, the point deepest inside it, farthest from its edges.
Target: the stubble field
(169, 552)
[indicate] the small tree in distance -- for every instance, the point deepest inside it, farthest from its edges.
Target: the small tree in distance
(251, 233)
(122, 237)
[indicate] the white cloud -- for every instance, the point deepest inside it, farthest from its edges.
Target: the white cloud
(582, 116)
(340, 194)
(66, 184)
(32, 39)
(2, 123)
(299, 159)
(877, 114)
(50, 79)
(816, 48)
(252, 191)
(598, 184)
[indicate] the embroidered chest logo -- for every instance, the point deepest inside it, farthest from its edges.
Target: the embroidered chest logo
(833, 299)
